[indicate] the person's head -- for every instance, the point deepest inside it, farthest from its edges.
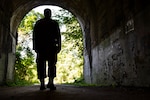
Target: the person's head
(47, 13)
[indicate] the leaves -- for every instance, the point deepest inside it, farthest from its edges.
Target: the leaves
(70, 64)
(25, 67)
(27, 24)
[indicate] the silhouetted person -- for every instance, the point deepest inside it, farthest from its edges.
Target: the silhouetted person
(46, 43)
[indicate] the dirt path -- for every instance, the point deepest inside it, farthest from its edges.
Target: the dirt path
(73, 93)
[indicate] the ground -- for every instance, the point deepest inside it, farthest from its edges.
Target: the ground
(69, 92)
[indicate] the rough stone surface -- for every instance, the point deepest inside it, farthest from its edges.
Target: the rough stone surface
(116, 38)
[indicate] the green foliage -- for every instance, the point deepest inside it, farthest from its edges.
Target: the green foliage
(27, 24)
(70, 59)
(25, 67)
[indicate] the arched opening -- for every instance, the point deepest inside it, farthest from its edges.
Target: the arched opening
(70, 59)
(22, 8)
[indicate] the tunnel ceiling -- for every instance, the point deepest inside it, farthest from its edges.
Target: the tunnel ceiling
(80, 8)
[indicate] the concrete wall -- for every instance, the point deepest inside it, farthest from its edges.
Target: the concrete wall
(121, 47)
(7, 56)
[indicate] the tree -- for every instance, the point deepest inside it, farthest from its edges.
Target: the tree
(70, 65)
(25, 69)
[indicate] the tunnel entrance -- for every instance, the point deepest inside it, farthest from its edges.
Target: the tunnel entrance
(70, 59)
(18, 14)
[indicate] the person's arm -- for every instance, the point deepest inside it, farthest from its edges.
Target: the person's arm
(58, 38)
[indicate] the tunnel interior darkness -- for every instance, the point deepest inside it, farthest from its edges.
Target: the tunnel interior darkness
(113, 54)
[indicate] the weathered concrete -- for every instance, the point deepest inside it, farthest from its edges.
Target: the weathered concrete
(122, 57)
(116, 38)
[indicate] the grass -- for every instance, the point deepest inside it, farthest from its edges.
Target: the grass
(78, 82)
(19, 83)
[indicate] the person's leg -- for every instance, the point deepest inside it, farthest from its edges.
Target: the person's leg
(52, 74)
(52, 71)
(43, 74)
(41, 70)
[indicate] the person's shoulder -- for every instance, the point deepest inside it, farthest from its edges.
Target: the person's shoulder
(54, 21)
(40, 20)
(37, 22)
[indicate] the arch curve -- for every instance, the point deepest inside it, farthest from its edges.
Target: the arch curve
(24, 7)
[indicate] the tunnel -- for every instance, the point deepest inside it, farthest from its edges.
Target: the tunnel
(116, 38)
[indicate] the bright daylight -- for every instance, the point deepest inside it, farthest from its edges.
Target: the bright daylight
(70, 59)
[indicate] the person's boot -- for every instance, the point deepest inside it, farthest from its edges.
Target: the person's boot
(51, 84)
(42, 87)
